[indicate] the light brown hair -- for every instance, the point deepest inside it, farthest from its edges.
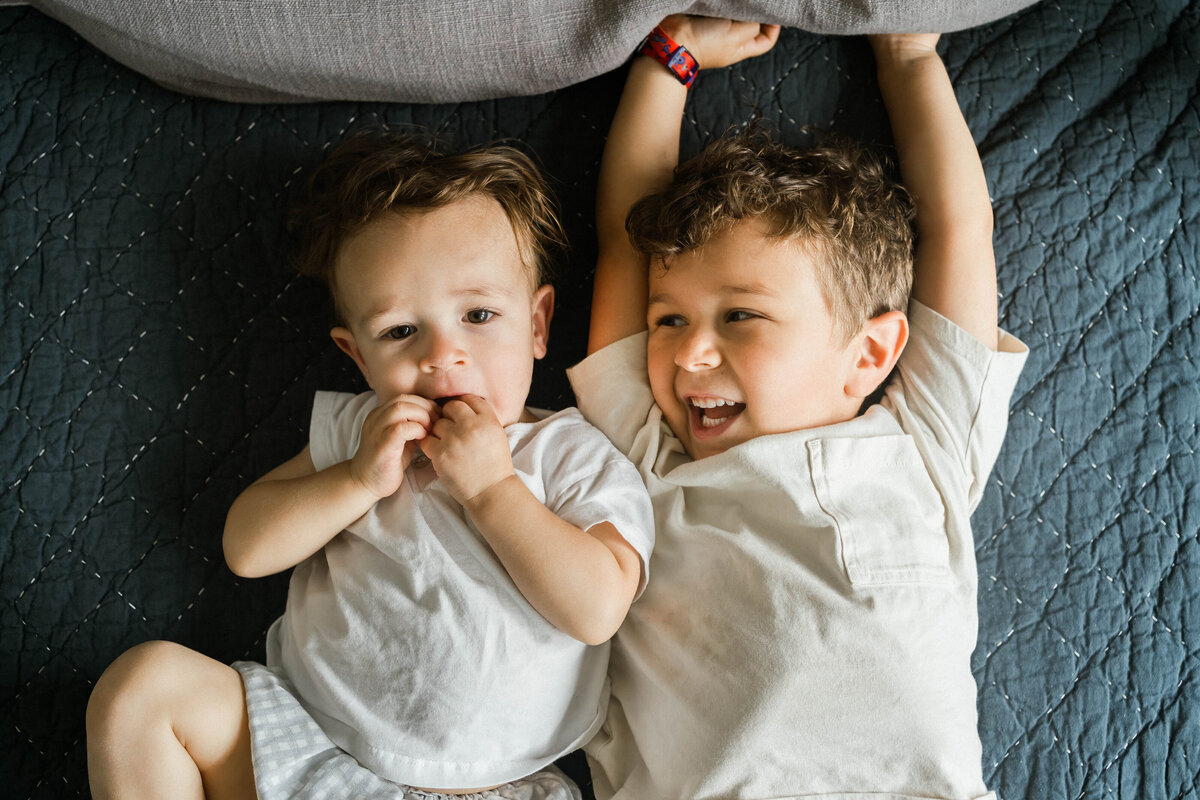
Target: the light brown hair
(379, 172)
(836, 199)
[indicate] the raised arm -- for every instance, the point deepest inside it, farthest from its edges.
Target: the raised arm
(640, 157)
(955, 264)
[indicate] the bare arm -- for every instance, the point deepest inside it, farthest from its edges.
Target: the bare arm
(582, 582)
(293, 511)
(640, 156)
(289, 514)
(955, 264)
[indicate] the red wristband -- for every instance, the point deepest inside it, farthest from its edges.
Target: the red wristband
(670, 54)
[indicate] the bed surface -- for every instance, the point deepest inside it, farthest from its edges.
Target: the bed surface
(158, 356)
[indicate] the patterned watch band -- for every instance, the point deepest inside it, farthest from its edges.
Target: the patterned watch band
(670, 54)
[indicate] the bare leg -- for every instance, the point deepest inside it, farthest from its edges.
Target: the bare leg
(166, 721)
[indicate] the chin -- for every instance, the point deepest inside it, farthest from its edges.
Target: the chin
(700, 450)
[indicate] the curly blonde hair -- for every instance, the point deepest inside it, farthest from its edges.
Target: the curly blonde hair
(379, 172)
(836, 198)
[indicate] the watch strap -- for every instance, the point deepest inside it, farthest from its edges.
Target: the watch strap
(672, 55)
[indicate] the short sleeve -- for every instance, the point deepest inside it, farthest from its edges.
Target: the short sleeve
(587, 481)
(336, 426)
(614, 494)
(612, 390)
(952, 392)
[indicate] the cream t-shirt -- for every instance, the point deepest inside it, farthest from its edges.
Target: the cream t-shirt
(809, 629)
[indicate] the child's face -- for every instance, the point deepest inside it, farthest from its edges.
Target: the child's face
(742, 344)
(438, 304)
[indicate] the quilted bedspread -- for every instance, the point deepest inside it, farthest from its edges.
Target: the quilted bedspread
(157, 355)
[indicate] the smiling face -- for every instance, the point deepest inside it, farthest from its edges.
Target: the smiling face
(438, 303)
(742, 344)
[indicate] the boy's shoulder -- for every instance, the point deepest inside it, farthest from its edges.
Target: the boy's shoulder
(562, 437)
(938, 345)
(612, 389)
(951, 394)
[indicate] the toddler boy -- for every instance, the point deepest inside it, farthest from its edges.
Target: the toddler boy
(810, 625)
(460, 560)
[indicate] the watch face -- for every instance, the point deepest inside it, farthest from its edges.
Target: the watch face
(672, 55)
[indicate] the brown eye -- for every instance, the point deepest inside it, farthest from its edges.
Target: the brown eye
(478, 316)
(399, 332)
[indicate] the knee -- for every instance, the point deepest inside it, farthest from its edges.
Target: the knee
(137, 683)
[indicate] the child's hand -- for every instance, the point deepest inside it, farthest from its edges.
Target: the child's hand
(716, 42)
(468, 448)
(898, 48)
(388, 443)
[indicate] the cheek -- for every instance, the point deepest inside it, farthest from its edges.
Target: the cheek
(389, 371)
(773, 381)
(661, 371)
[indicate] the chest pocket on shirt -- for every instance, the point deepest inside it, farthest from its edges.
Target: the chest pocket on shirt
(888, 515)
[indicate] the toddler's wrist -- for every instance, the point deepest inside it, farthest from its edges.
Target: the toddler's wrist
(477, 503)
(362, 482)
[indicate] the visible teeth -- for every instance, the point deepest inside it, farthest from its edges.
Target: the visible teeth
(711, 402)
(710, 422)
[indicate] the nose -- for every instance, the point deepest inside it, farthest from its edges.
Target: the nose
(697, 351)
(442, 351)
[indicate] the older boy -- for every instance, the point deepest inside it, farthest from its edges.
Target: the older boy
(460, 559)
(809, 629)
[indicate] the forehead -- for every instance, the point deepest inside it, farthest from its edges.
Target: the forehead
(469, 241)
(742, 260)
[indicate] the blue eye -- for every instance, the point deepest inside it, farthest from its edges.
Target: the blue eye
(399, 332)
(478, 316)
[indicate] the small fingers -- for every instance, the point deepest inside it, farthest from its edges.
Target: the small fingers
(413, 401)
(409, 431)
(428, 445)
(410, 408)
(755, 39)
(722, 42)
(467, 405)
(767, 36)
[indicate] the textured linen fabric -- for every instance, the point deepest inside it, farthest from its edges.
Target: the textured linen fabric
(410, 644)
(433, 50)
(811, 621)
(295, 760)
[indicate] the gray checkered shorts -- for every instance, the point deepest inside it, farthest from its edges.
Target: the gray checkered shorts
(295, 760)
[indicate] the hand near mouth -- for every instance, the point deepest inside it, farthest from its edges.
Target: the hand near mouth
(390, 436)
(468, 447)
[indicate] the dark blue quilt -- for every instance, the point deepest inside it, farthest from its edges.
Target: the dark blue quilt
(157, 355)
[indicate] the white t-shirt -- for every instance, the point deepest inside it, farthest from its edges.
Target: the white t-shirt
(410, 644)
(813, 611)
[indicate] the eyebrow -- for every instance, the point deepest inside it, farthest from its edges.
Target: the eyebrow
(482, 291)
(756, 289)
(486, 290)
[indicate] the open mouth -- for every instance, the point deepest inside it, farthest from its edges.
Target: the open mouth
(441, 401)
(713, 414)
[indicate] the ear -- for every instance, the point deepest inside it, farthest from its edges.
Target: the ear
(543, 311)
(345, 341)
(877, 348)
